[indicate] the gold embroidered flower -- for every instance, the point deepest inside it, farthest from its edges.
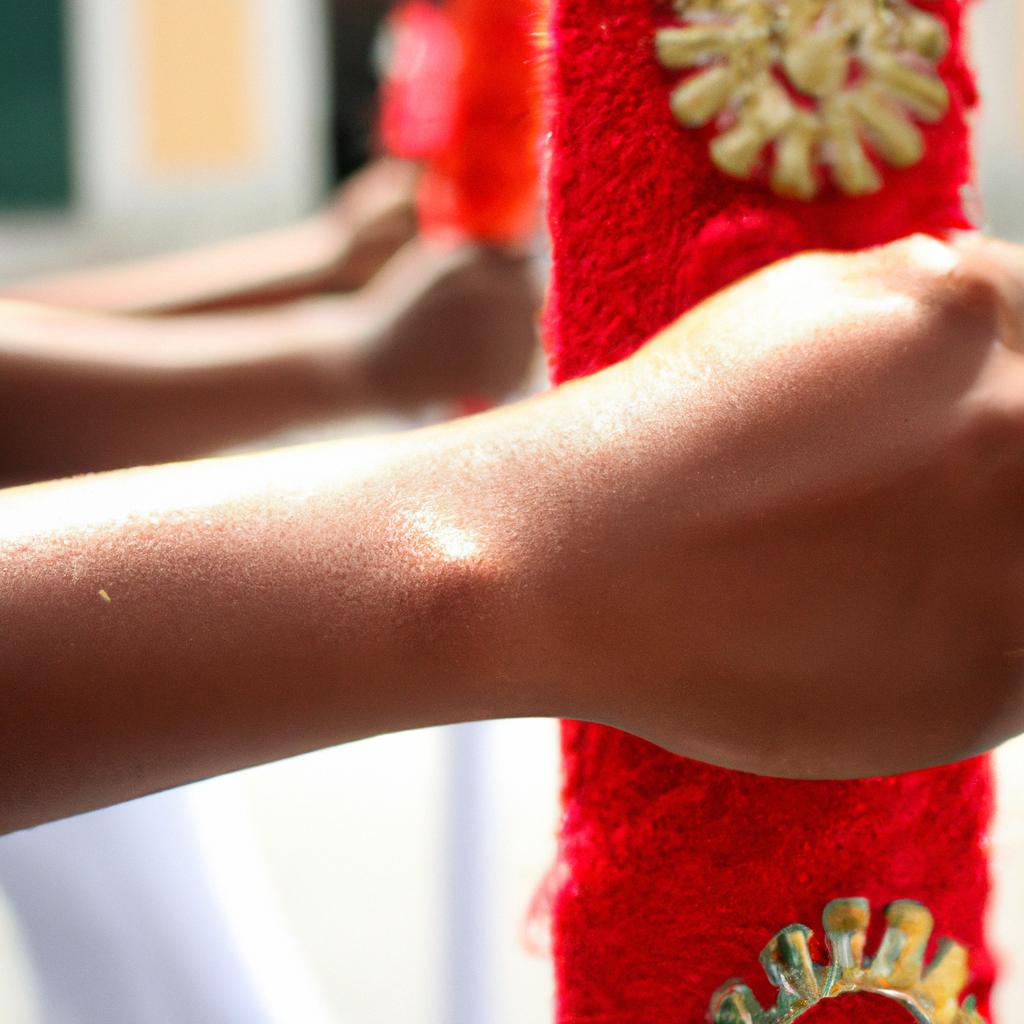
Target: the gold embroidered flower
(809, 84)
(930, 992)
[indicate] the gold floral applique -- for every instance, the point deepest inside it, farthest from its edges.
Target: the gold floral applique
(815, 80)
(930, 992)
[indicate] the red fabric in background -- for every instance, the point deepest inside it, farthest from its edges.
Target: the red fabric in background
(462, 95)
(417, 109)
(483, 183)
(676, 873)
(644, 226)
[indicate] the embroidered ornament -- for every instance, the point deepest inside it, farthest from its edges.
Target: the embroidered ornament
(813, 79)
(897, 972)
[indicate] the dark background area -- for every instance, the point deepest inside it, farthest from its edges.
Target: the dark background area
(354, 25)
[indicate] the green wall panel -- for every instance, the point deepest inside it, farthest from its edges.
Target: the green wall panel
(34, 131)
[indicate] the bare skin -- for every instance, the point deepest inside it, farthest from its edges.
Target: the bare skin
(83, 392)
(339, 248)
(784, 537)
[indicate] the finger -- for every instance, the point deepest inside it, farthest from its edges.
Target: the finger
(1001, 264)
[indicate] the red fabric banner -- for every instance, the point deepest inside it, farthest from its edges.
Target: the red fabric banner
(676, 873)
(462, 95)
(483, 183)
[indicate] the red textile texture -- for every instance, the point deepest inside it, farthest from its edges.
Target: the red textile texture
(483, 182)
(677, 873)
(643, 223)
(420, 83)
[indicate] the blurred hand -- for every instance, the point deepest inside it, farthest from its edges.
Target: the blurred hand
(373, 214)
(793, 537)
(450, 323)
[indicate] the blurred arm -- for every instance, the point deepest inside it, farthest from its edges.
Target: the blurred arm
(82, 392)
(271, 267)
(336, 249)
(85, 392)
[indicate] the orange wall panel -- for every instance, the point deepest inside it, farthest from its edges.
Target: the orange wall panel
(197, 89)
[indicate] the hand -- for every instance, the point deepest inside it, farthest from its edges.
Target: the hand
(372, 215)
(790, 533)
(449, 323)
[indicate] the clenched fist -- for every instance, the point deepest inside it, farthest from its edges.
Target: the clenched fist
(790, 531)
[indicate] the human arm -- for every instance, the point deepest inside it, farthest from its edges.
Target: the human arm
(338, 248)
(82, 392)
(784, 537)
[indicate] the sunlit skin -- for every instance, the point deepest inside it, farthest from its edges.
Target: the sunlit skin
(338, 248)
(784, 537)
(89, 391)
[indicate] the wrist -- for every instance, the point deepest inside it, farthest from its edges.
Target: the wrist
(479, 567)
(334, 337)
(533, 486)
(606, 539)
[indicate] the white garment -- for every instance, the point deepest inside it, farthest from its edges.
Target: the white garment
(120, 922)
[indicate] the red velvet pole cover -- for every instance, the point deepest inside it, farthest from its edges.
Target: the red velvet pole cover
(676, 874)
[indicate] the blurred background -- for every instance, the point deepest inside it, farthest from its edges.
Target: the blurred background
(399, 879)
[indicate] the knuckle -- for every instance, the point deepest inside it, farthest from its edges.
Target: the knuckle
(922, 255)
(969, 291)
(965, 292)
(941, 277)
(913, 265)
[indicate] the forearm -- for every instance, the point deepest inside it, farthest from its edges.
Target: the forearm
(274, 266)
(168, 624)
(81, 393)
(338, 248)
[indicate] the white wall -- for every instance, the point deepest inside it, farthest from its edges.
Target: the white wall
(123, 206)
(998, 48)
(999, 58)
